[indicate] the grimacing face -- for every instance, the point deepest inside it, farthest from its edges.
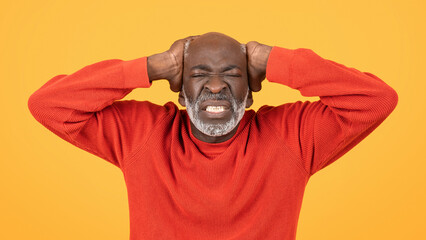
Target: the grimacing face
(215, 87)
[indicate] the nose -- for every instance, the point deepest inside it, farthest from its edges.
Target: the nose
(215, 83)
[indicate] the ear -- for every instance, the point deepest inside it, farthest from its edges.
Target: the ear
(249, 100)
(181, 99)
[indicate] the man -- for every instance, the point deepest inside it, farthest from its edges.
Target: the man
(215, 170)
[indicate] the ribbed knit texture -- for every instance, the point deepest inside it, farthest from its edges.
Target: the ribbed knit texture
(247, 188)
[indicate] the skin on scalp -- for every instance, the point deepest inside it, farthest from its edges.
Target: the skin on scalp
(214, 39)
(188, 42)
(216, 51)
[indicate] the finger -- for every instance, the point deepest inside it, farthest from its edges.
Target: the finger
(255, 82)
(251, 47)
(179, 84)
(253, 85)
(176, 83)
(174, 87)
(193, 37)
(190, 38)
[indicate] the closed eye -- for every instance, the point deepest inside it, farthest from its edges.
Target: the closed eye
(198, 75)
(201, 75)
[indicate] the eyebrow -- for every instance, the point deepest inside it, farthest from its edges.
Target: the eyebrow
(207, 68)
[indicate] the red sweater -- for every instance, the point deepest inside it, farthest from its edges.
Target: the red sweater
(249, 187)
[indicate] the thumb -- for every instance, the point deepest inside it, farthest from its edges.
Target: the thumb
(255, 81)
(176, 83)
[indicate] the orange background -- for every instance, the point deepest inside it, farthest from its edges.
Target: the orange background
(53, 190)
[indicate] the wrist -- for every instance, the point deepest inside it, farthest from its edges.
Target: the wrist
(160, 66)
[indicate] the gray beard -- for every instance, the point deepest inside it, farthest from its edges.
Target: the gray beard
(193, 109)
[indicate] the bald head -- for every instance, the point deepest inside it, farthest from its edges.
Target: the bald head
(214, 40)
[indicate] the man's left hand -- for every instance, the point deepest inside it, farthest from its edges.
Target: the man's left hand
(257, 57)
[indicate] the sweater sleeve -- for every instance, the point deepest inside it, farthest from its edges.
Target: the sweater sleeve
(82, 108)
(352, 104)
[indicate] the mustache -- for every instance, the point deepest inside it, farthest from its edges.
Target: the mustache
(214, 96)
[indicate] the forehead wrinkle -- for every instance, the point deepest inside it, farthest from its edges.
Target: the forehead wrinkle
(202, 67)
(214, 58)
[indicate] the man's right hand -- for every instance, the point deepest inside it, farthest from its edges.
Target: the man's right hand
(169, 64)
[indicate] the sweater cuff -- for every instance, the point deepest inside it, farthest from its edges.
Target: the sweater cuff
(136, 73)
(278, 68)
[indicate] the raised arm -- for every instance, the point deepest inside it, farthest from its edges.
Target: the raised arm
(352, 104)
(82, 107)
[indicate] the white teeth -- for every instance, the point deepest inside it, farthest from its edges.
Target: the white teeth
(215, 109)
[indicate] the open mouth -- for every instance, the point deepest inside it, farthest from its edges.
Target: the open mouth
(216, 108)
